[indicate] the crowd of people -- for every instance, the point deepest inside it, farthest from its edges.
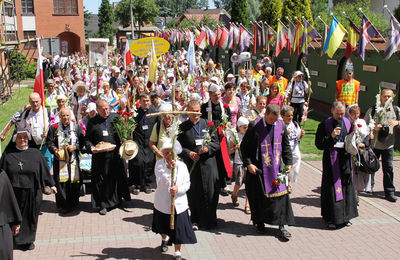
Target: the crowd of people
(241, 129)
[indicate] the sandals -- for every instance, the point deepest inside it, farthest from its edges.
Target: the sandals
(235, 201)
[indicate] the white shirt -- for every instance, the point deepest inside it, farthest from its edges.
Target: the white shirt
(298, 93)
(35, 124)
(162, 197)
(295, 131)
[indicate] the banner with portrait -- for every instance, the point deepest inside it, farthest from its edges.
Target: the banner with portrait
(98, 52)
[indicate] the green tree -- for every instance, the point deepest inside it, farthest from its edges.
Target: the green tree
(319, 6)
(86, 20)
(144, 11)
(226, 4)
(352, 11)
(239, 12)
(253, 9)
(297, 8)
(271, 10)
(106, 18)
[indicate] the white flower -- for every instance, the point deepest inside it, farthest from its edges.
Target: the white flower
(98, 63)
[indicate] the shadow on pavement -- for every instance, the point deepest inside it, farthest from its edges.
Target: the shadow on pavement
(127, 253)
(144, 220)
(309, 200)
(310, 222)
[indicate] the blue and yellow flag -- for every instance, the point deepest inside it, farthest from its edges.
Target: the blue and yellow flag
(334, 38)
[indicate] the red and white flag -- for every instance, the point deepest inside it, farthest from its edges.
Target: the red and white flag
(201, 40)
(39, 79)
(127, 55)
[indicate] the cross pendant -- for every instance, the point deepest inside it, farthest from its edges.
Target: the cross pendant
(20, 164)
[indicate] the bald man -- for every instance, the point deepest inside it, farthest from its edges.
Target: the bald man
(37, 123)
(109, 181)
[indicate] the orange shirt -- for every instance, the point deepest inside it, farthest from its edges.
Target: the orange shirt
(347, 91)
(282, 82)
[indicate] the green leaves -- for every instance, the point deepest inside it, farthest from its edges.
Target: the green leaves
(271, 10)
(106, 19)
(144, 11)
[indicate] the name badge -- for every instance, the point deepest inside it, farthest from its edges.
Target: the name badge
(199, 141)
(105, 133)
(34, 132)
(145, 127)
(339, 145)
(208, 109)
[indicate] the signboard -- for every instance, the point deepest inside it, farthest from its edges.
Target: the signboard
(51, 46)
(321, 84)
(98, 51)
(142, 47)
(388, 85)
(331, 62)
(286, 60)
(363, 88)
(369, 68)
(314, 73)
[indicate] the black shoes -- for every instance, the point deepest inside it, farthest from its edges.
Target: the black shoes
(261, 228)
(391, 198)
(103, 212)
(284, 233)
(164, 246)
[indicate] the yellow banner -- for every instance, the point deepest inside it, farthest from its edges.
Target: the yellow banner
(142, 47)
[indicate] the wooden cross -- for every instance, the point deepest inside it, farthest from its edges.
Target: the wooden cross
(174, 112)
(20, 164)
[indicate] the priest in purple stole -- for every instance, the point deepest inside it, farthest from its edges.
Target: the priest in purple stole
(338, 199)
(265, 151)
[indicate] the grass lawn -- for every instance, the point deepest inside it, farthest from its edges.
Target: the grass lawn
(17, 102)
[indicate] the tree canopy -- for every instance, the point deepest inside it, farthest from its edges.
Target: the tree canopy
(271, 10)
(144, 11)
(296, 8)
(355, 15)
(239, 12)
(106, 19)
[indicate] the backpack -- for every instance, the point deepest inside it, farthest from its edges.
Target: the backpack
(369, 161)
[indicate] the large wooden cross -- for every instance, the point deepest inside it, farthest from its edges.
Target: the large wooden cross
(175, 113)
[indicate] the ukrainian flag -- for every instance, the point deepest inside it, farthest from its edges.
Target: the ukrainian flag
(334, 38)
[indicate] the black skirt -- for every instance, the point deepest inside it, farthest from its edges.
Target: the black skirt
(277, 210)
(183, 232)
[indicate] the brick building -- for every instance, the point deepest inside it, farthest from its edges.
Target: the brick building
(61, 19)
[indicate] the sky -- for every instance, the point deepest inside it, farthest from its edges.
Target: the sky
(93, 5)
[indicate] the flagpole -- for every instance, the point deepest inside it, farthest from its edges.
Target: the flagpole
(319, 17)
(393, 17)
(360, 9)
(367, 38)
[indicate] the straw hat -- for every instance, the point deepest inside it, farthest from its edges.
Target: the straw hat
(128, 150)
(62, 154)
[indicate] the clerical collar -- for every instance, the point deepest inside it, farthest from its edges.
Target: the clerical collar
(265, 123)
(23, 149)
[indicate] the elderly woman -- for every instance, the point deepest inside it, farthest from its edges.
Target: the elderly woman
(110, 96)
(28, 173)
(183, 232)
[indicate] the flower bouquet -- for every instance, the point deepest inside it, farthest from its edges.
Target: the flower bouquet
(124, 125)
(282, 177)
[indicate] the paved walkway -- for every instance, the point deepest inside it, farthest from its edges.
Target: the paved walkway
(126, 234)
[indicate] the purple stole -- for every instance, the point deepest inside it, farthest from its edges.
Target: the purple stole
(333, 153)
(271, 157)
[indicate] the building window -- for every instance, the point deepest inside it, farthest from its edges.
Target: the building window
(30, 35)
(27, 6)
(65, 7)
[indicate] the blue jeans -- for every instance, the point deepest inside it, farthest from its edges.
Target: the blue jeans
(387, 168)
(47, 156)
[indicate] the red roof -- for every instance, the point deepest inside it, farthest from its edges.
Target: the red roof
(197, 14)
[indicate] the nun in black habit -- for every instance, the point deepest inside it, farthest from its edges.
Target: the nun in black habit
(10, 217)
(28, 173)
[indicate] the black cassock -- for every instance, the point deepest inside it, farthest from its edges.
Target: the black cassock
(216, 119)
(270, 210)
(28, 174)
(9, 216)
(204, 181)
(332, 211)
(109, 180)
(141, 168)
(67, 196)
